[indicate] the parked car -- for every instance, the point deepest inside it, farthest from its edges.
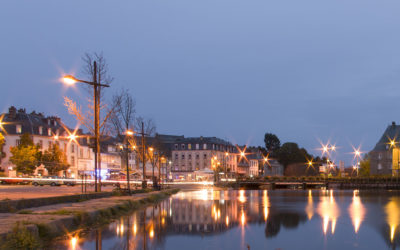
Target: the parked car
(14, 181)
(69, 182)
(48, 180)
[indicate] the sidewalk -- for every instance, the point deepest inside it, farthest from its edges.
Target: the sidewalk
(15, 192)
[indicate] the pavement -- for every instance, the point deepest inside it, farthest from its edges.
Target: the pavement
(15, 192)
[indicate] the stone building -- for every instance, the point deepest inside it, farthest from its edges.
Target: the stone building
(381, 157)
(197, 158)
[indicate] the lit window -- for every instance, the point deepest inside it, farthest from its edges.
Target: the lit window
(197, 146)
(205, 146)
(49, 131)
(40, 130)
(189, 146)
(18, 128)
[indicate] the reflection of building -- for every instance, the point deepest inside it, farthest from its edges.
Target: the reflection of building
(381, 156)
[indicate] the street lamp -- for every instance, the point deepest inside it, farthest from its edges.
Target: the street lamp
(70, 80)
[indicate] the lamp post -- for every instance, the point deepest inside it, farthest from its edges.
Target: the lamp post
(70, 80)
(357, 154)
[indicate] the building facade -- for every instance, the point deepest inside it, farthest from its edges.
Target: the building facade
(198, 158)
(381, 157)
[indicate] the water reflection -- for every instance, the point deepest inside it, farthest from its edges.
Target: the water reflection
(237, 216)
(392, 210)
(356, 211)
(310, 205)
(328, 210)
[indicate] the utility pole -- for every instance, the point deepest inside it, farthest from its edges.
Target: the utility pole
(144, 183)
(96, 131)
(127, 165)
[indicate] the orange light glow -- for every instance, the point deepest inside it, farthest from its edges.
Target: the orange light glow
(356, 211)
(69, 80)
(151, 233)
(242, 198)
(73, 242)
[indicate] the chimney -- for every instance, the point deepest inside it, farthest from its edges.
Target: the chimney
(393, 124)
(12, 112)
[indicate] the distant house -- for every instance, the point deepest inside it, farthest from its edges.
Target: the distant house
(273, 168)
(381, 157)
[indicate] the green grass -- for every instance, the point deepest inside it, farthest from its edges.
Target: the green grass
(25, 212)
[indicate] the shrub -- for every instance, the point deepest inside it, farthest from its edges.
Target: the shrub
(20, 238)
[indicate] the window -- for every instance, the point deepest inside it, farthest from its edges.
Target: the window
(18, 128)
(72, 160)
(204, 146)
(40, 144)
(205, 156)
(50, 144)
(72, 148)
(189, 146)
(197, 156)
(49, 131)
(379, 166)
(183, 157)
(197, 146)
(40, 130)
(183, 146)
(176, 146)
(81, 152)
(17, 142)
(190, 157)
(176, 156)
(380, 156)
(213, 147)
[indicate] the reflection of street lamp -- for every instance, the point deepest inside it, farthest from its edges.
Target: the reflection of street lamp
(70, 80)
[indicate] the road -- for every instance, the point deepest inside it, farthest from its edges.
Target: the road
(14, 192)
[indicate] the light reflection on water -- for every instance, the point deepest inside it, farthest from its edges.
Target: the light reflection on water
(259, 219)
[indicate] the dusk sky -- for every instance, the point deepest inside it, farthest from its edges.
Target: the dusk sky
(304, 70)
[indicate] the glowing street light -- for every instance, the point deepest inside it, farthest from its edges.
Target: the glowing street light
(70, 80)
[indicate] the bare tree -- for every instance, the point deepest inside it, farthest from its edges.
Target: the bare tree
(123, 117)
(149, 126)
(86, 117)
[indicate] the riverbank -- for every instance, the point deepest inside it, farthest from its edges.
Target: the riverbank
(34, 227)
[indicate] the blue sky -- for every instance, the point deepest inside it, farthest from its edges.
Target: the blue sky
(304, 70)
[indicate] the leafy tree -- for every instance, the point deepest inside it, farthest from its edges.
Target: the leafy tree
(272, 143)
(26, 155)
(365, 166)
(54, 160)
(2, 142)
(291, 153)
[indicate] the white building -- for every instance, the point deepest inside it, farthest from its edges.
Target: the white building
(46, 131)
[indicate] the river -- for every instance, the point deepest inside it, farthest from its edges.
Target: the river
(255, 219)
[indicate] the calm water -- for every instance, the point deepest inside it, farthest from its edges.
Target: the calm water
(292, 219)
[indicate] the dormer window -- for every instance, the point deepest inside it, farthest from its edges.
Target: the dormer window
(18, 128)
(40, 130)
(49, 131)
